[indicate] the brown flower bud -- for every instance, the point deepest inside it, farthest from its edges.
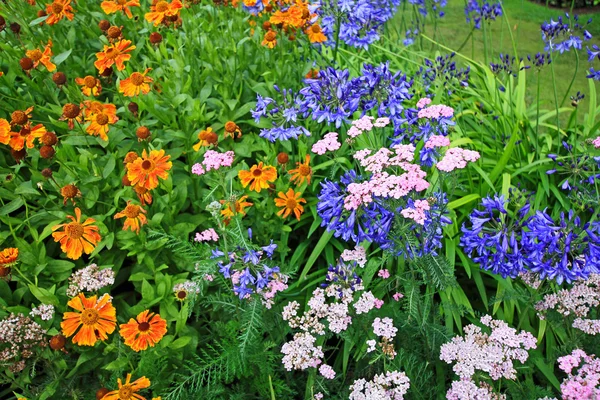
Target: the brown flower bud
(292, 37)
(269, 8)
(104, 25)
(130, 157)
(4, 271)
(18, 118)
(47, 152)
(41, 13)
(47, 173)
(126, 181)
(71, 110)
(212, 138)
(142, 133)
(2, 23)
(57, 342)
(49, 139)
(155, 38)
(18, 155)
(101, 393)
(266, 25)
(59, 78)
(133, 108)
(283, 158)
(107, 72)
(15, 28)
(26, 63)
(114, 32)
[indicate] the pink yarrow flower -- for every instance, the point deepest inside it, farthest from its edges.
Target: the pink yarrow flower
(397, 296)
(207, 236)
(437, 141)
(424, 102)
(213, 160)
(596, 142)
(436, 111)
(418, 212)
(457, 158)
(328, 143)
(383, 273)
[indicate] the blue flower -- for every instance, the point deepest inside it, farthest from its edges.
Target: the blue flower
(251, 256)
(225, 269)
(246, 277)
(242, 291)
(594, 74)
(270, 249)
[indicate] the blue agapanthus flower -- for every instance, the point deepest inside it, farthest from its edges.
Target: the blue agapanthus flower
(283, 117)
(477, 11)
(565, 33)
(492, 238)
(563, 250)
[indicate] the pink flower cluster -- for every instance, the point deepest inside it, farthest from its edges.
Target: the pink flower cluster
(301, 353)
(457, 158)
(377, 162)
(596, 142)
(366, 302)
(90, 279)
(493, 353)
(327, 371)
(213, 160)
(585, 383)
(424, 102)
(384, 328)
(206, 236)
(418, 212)
(44, 311)
(383, 273)
(366, 124)
(468, 390)
(437, 141)
(20, 336)
(436, 111)
(359, 255)
(273, 287)
(392, 385)
(328, 143)
(583, 296)
(531, 279)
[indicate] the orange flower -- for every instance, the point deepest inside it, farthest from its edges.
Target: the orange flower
(290, 202)
(8, 256)
(291, 17)
(143, 194)
(302, 172)
(69, 192)
(146, 170)
(58, 10)
(4, 131)
(148, 330)
(100, 116)
(128, 390)
(270, 39)
(136, 83)
(238, 207)
(26, 136)
(258, 176)
(96, 317)
(116, 53)
(206, 137)
(160, 10)
(135, 217)
(315, 34)
(37, 56)
(113, 6)
(231, 128)
(90, 86)
(76, 237)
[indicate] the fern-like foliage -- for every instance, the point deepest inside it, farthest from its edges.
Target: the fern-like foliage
(437, 270)
(251, 325)
(183, 248)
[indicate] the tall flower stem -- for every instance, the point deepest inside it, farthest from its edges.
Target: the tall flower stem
(572, 79)
(555, 96)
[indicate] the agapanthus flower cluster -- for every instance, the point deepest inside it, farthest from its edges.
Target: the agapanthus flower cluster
(213, 160)
(392, 385)
(584, 383)
(90, 279)
(507, 66)
(328, 143)
(443, 72)
(577, 171)
(251, 272)
(564, 33)
(579, 300)
(284, 116)
(492, 353)
(593, 53)
(207, 235)
(19, 337)
(481, 10)
(44, 311)
(540, 59)
(436, 6)
(493, 239)
(360, 22)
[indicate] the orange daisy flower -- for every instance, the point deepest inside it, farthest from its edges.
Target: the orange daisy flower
(21, 118)
(231, 128)
(160, 10)
(113, 6)
(37, 56)
(128, 390)
(238, 207)
(258, 176)
(143, 194)
(96, 317)
(206, 137)
(291, 17)
(100, 116)
(146, 170)
(136, 83)
(77, 237)
(290, 202)
(115, 53)
(90, 86)
(315, 34)
(146, 330)
(4, 131)
(26, 136)
(135, 217)
(58, 10)
(302, 172)
(270, 39)
(9, 256)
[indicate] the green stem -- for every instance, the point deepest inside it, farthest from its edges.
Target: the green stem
(572, 79)
(555, 96)
(537, 116)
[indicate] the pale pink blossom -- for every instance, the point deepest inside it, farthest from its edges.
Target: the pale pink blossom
(383, 273)
(207, 236)
(457, 158)
(418, 212)
(326, 371)
(328, 143)
(596, 142)
(425, 101)
(397, 296)
(436, 111)
(437, 141)
(359, 255)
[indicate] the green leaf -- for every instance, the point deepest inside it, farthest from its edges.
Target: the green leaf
(61, 57)
(323, 241)
(43, 295)
(12, 206)
(181, 342)
(39, 20)
(109, 167)
(147, 291)
(463, 200)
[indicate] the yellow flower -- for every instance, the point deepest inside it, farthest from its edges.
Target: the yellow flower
(136, 83)
(135, 217)
(128, 390)
(290, 202)
(302, 173)
(259, 176)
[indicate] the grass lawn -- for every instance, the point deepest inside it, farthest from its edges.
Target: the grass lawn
(525, 19)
